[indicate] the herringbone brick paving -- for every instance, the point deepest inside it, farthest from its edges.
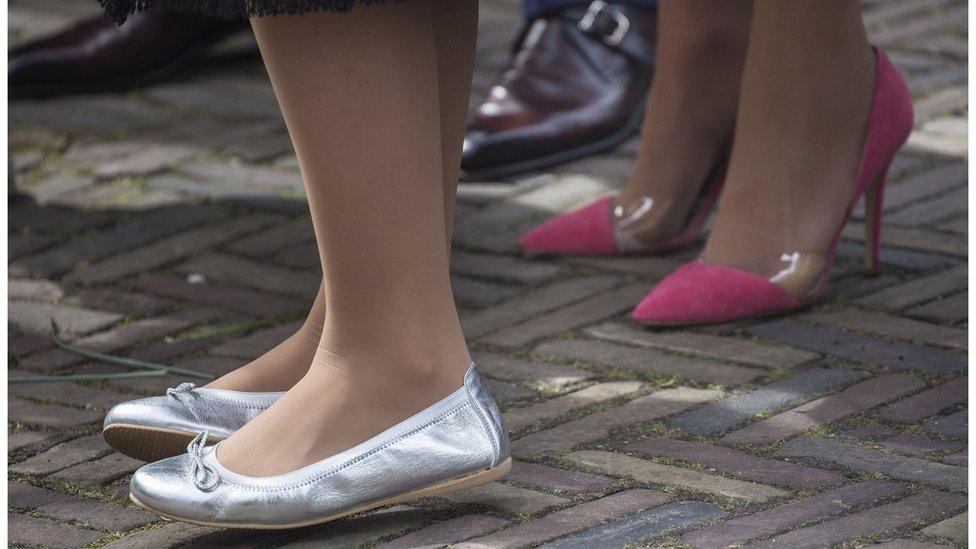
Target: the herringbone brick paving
(167, 224)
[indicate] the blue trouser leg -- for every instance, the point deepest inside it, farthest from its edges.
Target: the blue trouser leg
(537, 8)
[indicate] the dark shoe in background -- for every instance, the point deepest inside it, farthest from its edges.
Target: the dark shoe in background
(575, 85)
(99, 55)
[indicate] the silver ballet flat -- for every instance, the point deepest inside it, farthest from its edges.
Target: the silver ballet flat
(154, 428)
(457, 443)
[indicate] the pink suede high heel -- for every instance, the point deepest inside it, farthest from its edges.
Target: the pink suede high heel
(701, 293)
(592, 229)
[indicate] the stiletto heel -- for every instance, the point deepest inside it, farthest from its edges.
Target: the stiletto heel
(873, 212)
(702, 293)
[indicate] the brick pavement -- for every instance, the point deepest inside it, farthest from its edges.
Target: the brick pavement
(843, 424)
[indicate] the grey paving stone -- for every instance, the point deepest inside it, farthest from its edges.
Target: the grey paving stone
(238, 271)
(511, 499)
(95, 114)
(506, 392)
(131, 304)
(140, 230)
(358, 531)
(101, 471)
(29, 531)
(121, 337)
(865, 349)
(915, 240)
(215, 295)
(787, 515)
(917, 445)
(735, 409)
(646, 267)
(961, 459)
(916, 254)
(567, 521)
(706, 345)
(89, 512)
(285, 233)
(928, 402)
(63, 456)
(64, 222)
(74, 394)
(588, 311)
(923, 184)
(19, 245)
(866, 459)
(647, 361)
(480, 293)
(891, 326)
(51, 190)
(931, 210)
(542, 375)
(557, 480)
(852, 400)
(148, 159)
(955, 425)
(954, 308)
(36, 316)
(21, 344)
(167, 250)
(257, 343)
(169, 534)
(533, 303)
(643, 470)
(244, 173)
(501, 266)
(446, 532)
(598, 425)
(517, 418)
(303, 256)
(23, 439)
(879, 519)
(33, 290)
(240, 539)
(906, 544)
(920, 289)
(252, 194)
(736, 463)
(641, 526)
(25, 412)
(955, 528)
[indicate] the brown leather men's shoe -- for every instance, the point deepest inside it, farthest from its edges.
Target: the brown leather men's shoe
(575, 85)
(99, 55)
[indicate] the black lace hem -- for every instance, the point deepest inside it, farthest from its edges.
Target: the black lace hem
(119, 10)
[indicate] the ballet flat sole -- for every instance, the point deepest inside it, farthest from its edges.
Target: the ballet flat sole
(148, 443)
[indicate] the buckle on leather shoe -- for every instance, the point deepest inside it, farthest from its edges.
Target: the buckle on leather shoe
(597, 20)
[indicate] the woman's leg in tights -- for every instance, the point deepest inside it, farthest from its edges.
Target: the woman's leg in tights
(690, 112)
(455, 24)
(280, 368)
(806, 93)
(360, 95)
(452, 21)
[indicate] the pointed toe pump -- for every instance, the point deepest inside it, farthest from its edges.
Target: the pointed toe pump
(158, 427)
(456, 443)
(606, 227)
(701, 293)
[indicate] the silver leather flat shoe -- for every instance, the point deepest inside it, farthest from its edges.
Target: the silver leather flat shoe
(154, 428)
(457, 443)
